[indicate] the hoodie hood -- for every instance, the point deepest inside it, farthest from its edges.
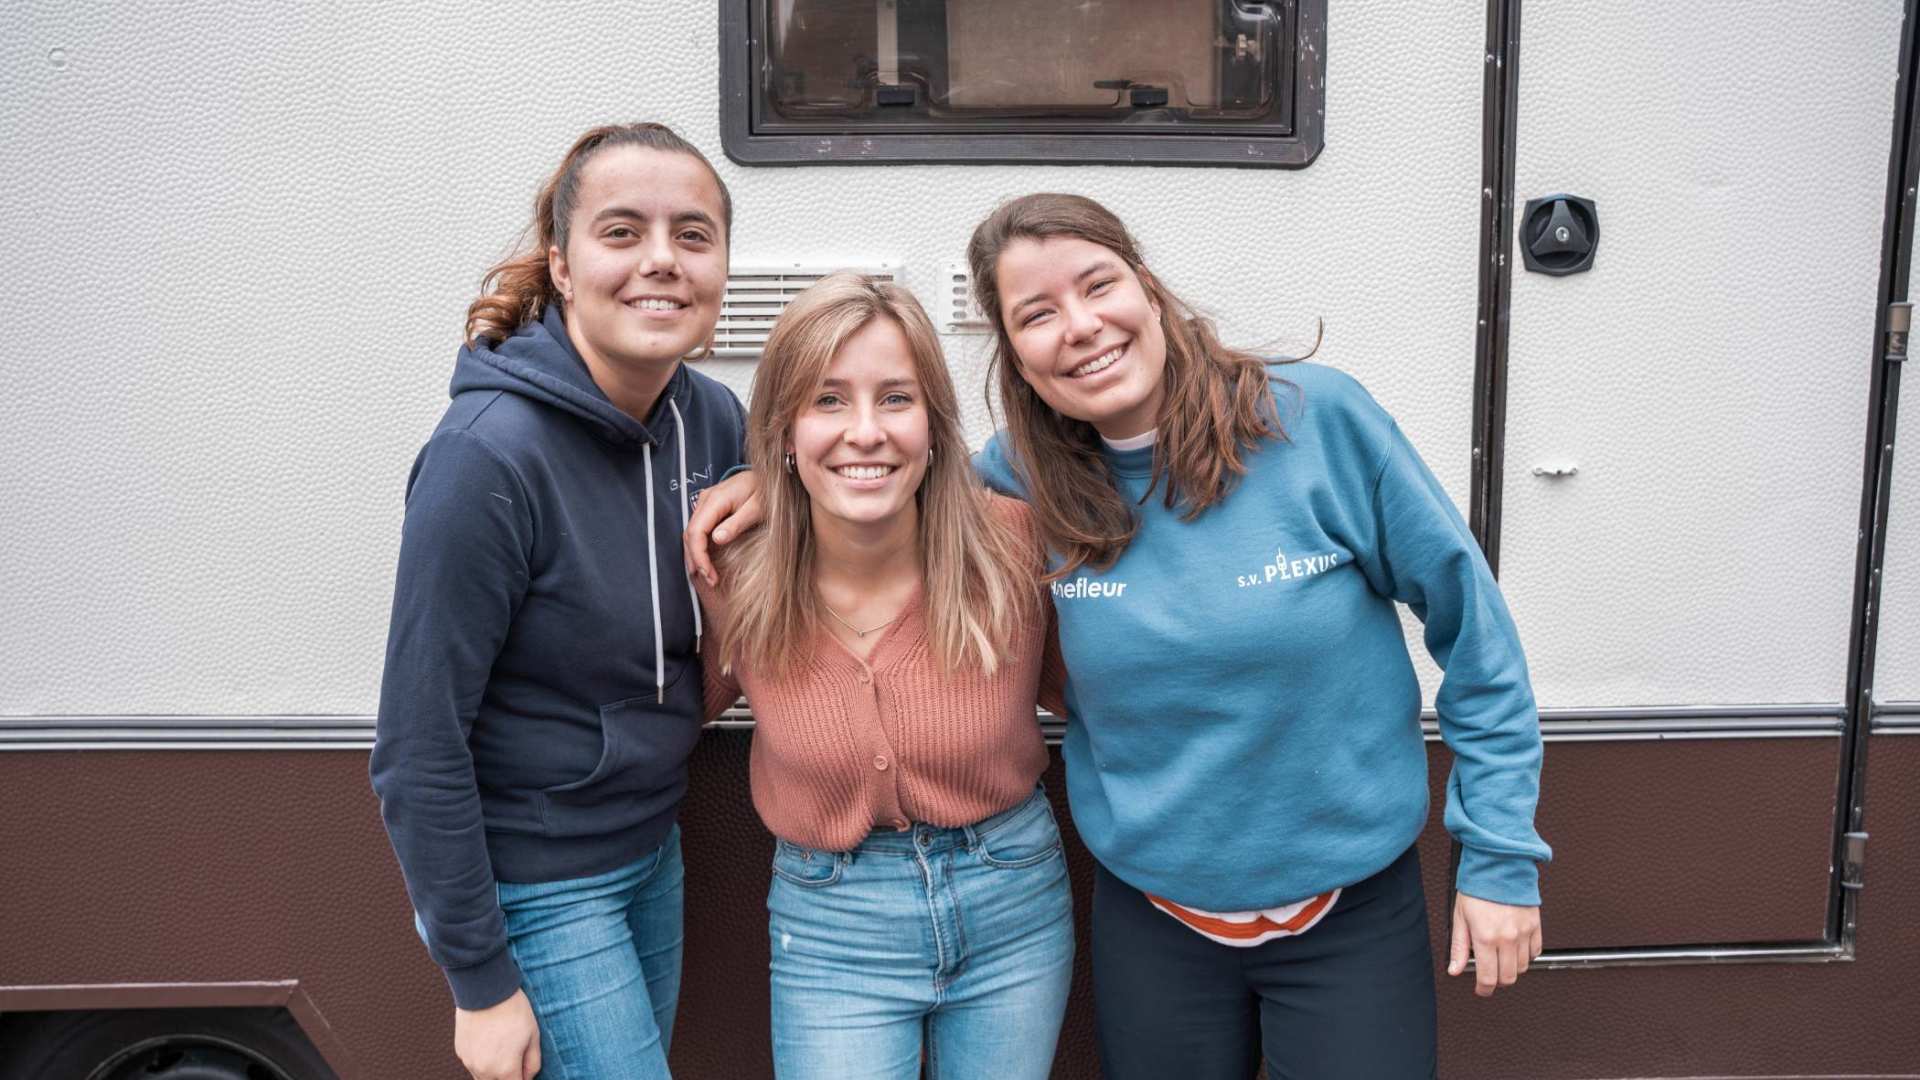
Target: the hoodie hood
(539, 363)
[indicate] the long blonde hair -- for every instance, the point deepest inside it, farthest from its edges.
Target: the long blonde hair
(1218, 404)
(980, 575)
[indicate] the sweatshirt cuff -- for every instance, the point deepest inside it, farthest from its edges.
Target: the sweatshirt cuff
(1503, 879)
(740, 468)
(486, 983)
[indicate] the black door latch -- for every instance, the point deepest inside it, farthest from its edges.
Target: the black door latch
(1559, 234)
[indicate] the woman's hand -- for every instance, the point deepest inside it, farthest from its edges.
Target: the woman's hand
(726, 510)
(500, 1042)
(1504, 939)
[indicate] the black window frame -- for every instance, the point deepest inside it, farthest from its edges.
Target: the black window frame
(742, 52)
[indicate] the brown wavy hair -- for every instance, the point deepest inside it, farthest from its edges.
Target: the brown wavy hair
(1218, 403)
(518, 289)
(978, 568)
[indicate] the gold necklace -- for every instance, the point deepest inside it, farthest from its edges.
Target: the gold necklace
(857, 632)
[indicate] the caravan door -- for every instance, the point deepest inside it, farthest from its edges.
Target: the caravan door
(1682, 464)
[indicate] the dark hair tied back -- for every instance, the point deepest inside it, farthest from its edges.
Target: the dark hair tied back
(518, 289)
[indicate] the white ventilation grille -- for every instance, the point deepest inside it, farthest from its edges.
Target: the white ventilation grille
(755, 297)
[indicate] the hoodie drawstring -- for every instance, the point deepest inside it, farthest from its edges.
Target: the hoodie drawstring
(653, 557)
(686, 517)
(653, 585)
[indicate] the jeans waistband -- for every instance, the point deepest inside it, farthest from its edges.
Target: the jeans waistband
(921, 837)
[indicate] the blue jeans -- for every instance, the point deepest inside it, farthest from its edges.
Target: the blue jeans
(964, 935)
(600, 960)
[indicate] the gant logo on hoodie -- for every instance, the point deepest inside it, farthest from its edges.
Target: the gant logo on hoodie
(697, 482)
(1285, 569)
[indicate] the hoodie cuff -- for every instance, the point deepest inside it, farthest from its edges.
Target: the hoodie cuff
(740, 468)
(485, 984)
(1503, 879)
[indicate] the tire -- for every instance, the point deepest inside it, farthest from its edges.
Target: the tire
(158, 1044)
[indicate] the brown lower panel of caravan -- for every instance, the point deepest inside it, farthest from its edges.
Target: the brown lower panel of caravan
(1683, 842)
(1804, 1020)
(245, 866)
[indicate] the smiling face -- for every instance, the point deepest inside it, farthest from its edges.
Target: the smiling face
(645, 264)
(859, 443)
(1085, 332)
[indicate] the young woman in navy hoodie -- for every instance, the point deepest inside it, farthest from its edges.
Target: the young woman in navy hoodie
(542, 689)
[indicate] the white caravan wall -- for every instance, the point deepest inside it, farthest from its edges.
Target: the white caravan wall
(241, 237)
(1709, 376)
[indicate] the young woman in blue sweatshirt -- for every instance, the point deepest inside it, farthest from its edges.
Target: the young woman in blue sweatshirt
(542, 689)
(1228, 539)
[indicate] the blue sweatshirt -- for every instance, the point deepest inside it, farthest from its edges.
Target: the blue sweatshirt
(542, 689)
(1246, 719)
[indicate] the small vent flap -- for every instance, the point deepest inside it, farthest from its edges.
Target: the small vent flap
(963, 311)
(755, 297)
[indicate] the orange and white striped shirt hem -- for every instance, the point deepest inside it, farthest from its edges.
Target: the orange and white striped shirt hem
(1248, 928)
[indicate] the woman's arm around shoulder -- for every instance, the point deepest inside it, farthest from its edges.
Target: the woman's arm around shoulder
(726, 511)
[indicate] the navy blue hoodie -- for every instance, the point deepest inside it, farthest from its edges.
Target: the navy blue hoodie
(542, 688)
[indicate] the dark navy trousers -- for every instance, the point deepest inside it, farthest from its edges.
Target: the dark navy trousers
(1352, 998)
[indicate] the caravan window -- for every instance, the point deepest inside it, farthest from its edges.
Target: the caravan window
(1170, 81)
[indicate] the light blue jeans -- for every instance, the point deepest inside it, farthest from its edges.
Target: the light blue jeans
(600, 960)
(961, 936)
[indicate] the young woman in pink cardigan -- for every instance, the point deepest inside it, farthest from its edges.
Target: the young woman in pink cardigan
(888, 631)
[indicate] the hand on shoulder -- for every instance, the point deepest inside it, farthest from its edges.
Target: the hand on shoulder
(726, 511)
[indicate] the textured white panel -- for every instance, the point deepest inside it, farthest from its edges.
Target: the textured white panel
(242, 234)
(1896, 664)
(1709, 376)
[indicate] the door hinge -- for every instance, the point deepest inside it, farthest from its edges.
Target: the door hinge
(1853, 860)
(1899, 322)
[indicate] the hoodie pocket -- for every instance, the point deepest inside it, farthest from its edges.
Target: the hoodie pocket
(644, 745)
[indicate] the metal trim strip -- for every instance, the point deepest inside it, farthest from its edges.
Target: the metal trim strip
(1500, 94)
(1895, 718)
(1575, 960)
(356, 732)
(60, 998)
(338, 721)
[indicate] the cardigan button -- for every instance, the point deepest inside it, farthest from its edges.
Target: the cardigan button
(880, 762)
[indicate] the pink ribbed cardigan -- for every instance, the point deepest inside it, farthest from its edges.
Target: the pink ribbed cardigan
(842, 746)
